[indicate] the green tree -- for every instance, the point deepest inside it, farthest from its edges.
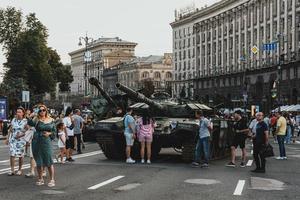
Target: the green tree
(28, 56)
(10, 27)
(62, 73)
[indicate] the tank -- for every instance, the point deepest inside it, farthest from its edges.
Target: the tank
(176, 128)
(103, 107)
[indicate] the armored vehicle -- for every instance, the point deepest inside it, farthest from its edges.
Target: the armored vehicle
(176, 128)
(103, 107)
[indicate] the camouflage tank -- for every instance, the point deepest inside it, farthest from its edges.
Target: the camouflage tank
(176, 128)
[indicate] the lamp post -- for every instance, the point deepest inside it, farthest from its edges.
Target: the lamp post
(87, 57)
(279, 69)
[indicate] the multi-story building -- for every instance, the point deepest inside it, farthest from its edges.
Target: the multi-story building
(104, 53)
(234, 47)
(157, 69)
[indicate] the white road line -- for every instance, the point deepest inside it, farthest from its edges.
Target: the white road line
(239, 188)
(252, 152)
(26, 166)
(105, 183)
(249, 163)
(4, 161)
(88, 154)
(6, 170)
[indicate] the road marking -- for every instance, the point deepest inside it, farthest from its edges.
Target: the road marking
(93, 153)
(239, 188)
(249, 163)
(202, 181)
(258, 183)
(4, 161)
(26, 166)
(7, 170)
(105, 183)
(252, 152)
(128, 187)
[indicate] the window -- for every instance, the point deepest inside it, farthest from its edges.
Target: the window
(145, 75)
(168, 75)
(157, 75)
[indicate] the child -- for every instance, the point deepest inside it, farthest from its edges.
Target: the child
(61, 141)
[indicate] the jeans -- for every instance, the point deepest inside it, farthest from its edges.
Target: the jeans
(202, 145)
(288, 135)
(78, 136)
(280, 139)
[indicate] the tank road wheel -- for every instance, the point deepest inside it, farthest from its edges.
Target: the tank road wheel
(188, 151)
(108, 150)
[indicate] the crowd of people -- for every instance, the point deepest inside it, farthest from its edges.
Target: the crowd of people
(283, 127)
(35, 130)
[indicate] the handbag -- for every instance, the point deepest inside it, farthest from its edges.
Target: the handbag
(266, 151)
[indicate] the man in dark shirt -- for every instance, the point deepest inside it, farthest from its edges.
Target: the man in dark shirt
(259, 140)
(241, 132)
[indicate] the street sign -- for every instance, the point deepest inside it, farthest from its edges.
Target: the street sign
(3, 108)
(270, 46)
(25, 96)
(254, 49)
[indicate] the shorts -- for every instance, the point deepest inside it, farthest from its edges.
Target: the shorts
(70, 142)
(239, 141)
(129, 139)
(145, 138)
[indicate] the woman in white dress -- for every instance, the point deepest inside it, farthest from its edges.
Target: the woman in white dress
(16, 142)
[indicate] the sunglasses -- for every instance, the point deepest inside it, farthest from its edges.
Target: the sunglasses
(42, 110)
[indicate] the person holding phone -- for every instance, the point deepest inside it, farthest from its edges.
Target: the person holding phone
(41, 144)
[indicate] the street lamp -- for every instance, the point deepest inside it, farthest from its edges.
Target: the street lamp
(87, 57)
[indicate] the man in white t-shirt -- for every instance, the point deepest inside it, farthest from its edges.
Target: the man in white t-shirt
(69, 126)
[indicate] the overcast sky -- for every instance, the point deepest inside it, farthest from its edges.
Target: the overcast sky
(143, 21)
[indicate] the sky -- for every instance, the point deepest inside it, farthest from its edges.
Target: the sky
(145, 22)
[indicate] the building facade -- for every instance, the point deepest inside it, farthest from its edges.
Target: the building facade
(231, 47)
(157, 69)
(104, 53)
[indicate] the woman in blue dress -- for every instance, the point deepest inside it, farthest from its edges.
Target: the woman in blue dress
(16, 142)
(41, 144)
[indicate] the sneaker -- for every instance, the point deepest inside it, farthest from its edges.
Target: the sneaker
(284, 158)
(242, 165)
(148, 162)
(279, 158)
(230, 164)
(205, 165)
(79, 152)
(195, 164)
(142, 161)
(130, 161)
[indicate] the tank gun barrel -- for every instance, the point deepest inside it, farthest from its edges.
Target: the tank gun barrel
(96, 83)
(138, 96)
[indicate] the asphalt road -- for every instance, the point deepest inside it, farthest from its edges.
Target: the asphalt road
(91, 176)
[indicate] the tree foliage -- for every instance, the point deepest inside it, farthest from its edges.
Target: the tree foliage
(28, 56)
